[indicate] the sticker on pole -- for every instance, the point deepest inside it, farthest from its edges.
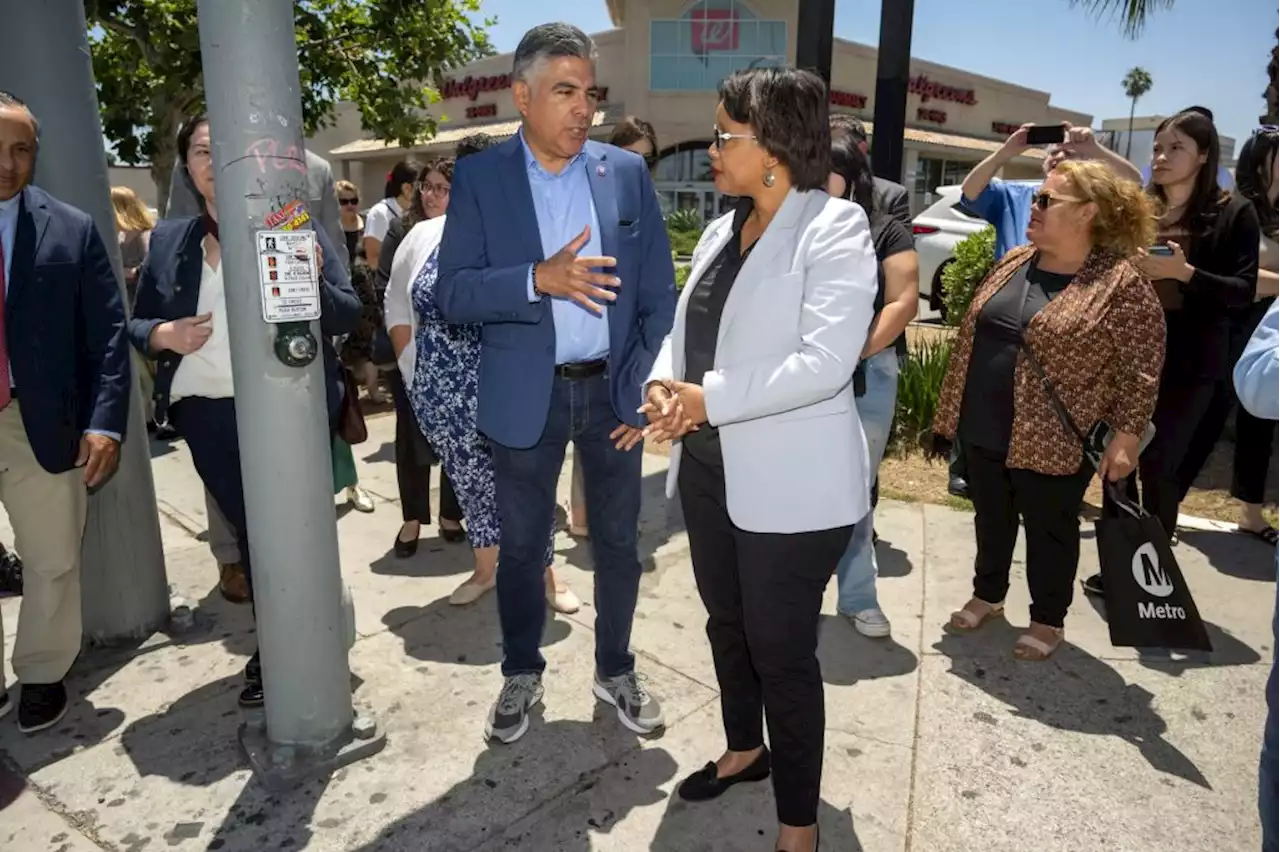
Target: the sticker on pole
(290, 279)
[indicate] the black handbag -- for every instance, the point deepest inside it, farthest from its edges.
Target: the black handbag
(1148, 602)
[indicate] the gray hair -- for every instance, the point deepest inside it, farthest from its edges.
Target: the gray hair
(9, 99)
(550, 41)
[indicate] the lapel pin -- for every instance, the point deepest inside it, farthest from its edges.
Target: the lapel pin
(601, 171)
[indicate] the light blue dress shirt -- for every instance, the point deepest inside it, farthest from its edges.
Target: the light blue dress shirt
(1257, 373)
(564, 206)
(8, 233)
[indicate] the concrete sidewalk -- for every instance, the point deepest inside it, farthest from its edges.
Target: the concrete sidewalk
(934, 742)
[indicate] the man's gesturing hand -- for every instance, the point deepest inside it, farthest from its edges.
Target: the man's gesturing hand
(566, 275)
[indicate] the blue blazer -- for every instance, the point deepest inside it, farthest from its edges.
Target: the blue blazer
(169, 289)
(491, 240)
(64, 318)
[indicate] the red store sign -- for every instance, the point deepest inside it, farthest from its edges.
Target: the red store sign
(1004, 128)
(935, 115)
(470, 87)
(848, 99)
(928, 89)
(714, 29)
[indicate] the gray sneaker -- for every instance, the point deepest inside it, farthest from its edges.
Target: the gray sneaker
(509, 718)
(637, 709)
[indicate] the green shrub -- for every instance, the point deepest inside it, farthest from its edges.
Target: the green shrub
(974, 257)
(683, 242)
(682, 276)
(919, 386)
(685, 219)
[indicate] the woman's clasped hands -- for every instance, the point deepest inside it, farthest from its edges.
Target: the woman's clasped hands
(674, 409)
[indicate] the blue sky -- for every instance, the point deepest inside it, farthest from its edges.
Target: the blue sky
(1209, 52)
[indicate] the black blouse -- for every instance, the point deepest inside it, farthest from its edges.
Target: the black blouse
(702, 329)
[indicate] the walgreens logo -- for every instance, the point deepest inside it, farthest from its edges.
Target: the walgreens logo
(470, 87)
(714, 29)
(931, 90)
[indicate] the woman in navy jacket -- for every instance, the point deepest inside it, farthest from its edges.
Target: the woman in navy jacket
(180, 320)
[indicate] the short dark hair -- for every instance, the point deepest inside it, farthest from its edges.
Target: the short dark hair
(848, 161)
(787, 109)
(631, 130)
(188, 130)
(405, 171)
(9, 99)
(843, 123)
(472, 144)
(550, 41)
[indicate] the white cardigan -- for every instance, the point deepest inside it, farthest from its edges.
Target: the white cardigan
(397, 302)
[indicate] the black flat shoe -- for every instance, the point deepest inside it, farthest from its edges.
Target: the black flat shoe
(453, 535)
(703, 785)
(405, 549)
(251, 696)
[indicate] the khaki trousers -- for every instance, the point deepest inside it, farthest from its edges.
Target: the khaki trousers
(47, 511)
(223, 542)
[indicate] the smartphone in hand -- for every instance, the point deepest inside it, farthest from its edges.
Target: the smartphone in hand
(1046, 134)
(1160, 250)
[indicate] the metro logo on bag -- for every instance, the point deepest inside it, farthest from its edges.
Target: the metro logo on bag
(1148, 602)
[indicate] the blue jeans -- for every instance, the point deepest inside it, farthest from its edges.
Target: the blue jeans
(856, 573)
(526, 482)
(1268, 808)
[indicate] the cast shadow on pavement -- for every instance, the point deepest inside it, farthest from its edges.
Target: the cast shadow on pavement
(469, 635)
(847, 657)
(1227, 649)
(660, 521)
(1074, 691)
(1235, 554)
(743, 820)
(501, 807)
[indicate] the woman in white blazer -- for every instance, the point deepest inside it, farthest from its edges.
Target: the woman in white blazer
(755, 380)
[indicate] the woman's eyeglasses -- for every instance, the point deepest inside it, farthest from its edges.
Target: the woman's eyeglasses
(429, 188)
(720, 137)
(1045, 200)
(349, 202)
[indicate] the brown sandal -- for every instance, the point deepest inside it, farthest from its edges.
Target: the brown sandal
(969, 619)
(1033, 649)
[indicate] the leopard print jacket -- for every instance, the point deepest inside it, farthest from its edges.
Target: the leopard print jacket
(1101, 342)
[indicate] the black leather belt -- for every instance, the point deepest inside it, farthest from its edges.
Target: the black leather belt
(582, 369)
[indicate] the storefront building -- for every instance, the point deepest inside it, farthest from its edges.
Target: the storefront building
(662, 62)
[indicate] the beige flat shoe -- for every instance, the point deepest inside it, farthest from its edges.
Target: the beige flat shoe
(563, 600)
(359, 499)
(470, 592)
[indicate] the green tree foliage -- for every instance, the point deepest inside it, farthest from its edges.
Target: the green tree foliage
(974, 257)
(1136, 84)
(1133, 14)
(386, 56)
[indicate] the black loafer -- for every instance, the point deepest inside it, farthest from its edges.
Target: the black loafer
(453, 535)
(703, 785)
(1094, 586)
(405, 549)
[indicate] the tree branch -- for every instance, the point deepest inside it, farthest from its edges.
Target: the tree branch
(136, 34)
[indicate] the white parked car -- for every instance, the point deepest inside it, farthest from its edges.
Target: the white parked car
(937, 230)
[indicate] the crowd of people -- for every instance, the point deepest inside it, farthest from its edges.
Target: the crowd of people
(519, 296)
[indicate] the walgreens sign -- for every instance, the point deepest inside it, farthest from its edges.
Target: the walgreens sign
(714, 30)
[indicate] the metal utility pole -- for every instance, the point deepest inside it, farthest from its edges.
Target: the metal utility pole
(893, 68)
(252, 88)
(45, 61)
(814, 37)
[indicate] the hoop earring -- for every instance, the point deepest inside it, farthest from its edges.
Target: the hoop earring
(769, 178)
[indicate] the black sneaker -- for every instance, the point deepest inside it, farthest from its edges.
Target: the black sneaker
(1094, 586)
(252, 695)
(10, 572)
(957, 487)
(509, 716)
(42, 706)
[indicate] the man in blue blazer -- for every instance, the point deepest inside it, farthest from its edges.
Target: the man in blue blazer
(555, 245)
(64, 404)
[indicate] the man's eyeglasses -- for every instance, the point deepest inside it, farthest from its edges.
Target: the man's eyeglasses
(1045, 200)
(429, 188)
(349, 202)
(720, 137)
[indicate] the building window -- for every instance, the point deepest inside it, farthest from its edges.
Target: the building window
(709, 42)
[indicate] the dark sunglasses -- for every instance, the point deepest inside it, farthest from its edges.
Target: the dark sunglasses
(1045, 200)
(349, 202)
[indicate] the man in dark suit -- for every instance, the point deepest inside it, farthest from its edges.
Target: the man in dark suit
(890, 197)
(64, 402)
(556, 246)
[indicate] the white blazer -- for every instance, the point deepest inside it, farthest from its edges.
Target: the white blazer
(397, 302)
(781, 393)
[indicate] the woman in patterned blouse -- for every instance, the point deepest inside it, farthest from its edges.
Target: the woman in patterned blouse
(1092, 320)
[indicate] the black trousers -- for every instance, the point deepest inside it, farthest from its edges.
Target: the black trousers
(1252, 458)
(1049, 507)
(1181, 407)
(209, 428)
(763, 594)
(413, 464)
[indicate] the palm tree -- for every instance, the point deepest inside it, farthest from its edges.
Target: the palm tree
(1136, 84)
(1134, 13)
